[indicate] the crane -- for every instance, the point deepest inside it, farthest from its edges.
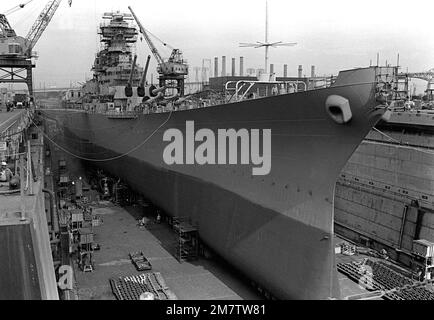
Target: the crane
(151, 45)
(16, 46)
(41, 24)
(174, 69)
(16, 51)
(17, 8)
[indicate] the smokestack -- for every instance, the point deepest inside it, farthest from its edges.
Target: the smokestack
(285, 70)
(241, 66)
(300, 71)
(224, 66)
(233, 67)
(271, 68)
(216, 67)
(312, 74)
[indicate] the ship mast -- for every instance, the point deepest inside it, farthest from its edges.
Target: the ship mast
(266, 44)
(267, 48)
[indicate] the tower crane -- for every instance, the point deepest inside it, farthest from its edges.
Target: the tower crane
(16, 51)
(174, 69)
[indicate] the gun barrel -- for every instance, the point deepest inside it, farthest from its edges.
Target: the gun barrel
(145, 73)
(158, 90)
(158, 97)
(132, 71)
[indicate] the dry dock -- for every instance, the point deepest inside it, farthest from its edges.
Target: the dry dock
(203, 279)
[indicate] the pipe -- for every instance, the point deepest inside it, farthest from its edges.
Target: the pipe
(312, 74)
(300, 71)
(53, 211)
(401, 232)
(224, 66)
(241, 66)
(285, 70)
(216, 67)
(419, 219)
(271, 69)
(233, 67)
(23, 206)
(30, 167)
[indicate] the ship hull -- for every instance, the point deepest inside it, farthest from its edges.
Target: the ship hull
(277, 229)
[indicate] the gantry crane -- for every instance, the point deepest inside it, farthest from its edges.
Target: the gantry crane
(16, 52)
(173, 70)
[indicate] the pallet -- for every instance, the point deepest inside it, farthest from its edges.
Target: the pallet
(132, 287)
(384, 278)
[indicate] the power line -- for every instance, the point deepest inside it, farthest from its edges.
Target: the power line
(16, 8)
(397, 143)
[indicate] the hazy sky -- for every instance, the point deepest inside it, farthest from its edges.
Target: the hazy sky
(332, 34)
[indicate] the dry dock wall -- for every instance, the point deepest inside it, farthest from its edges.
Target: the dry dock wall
(26, 263)
(386, 194)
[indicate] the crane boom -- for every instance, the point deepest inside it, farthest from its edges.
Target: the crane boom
(147, 38)
(6, 30)
(41, 23)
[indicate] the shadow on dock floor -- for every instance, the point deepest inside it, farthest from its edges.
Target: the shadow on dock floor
(204, 279)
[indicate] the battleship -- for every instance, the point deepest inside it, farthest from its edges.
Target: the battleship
(275, 228)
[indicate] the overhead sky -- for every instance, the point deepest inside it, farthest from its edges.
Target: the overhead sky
(332, 35)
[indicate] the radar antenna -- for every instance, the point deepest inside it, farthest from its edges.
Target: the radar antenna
(266, 44)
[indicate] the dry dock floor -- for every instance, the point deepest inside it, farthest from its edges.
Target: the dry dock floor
(204, 279)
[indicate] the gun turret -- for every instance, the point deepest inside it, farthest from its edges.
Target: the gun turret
(154, 91)
(129, 86)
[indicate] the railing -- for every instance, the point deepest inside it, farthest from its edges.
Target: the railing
(122, 114)
(243, 89)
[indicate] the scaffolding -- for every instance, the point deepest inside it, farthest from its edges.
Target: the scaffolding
(423, 259)
(187, 248)
(85, 250)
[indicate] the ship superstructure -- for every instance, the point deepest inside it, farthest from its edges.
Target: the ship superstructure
(115, 63)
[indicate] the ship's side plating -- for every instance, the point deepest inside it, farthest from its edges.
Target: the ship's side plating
(277, 228)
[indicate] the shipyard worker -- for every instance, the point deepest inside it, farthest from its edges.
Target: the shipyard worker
(5, 173)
